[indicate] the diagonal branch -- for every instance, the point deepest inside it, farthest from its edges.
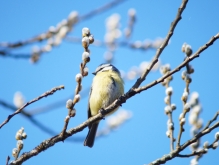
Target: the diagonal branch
(186, 61)
(162, 47)
(30, 102)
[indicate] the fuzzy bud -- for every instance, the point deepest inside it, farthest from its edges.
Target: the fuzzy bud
(187, 107)
(184, 96)
(78, 78)
(72, 113)
(20, 144)
(170, 126)
(85, 73)
(14, 152)
(85, 55)
(167, 109)
(76, 98)
(24, 135)
(188, 50)
(85, 42)
(169, 91)
(217, 136)
(69, 104)
(85, 32)
(183, 47)
(184, 74)
(181, 116)
(173, 107)
(215, 145)
(168, 134)
(167, 99)
(206, 144)
(188, 79)
(91, 39)
(67, 119)
(182, 121)
(18, 136)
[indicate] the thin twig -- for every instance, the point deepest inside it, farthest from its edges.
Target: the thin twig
(162, 47)
(100, 9)
(30, 102)
(188, 59)
(48, 34)
(176, 152)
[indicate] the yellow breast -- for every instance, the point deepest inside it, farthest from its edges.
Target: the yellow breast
(106, 88)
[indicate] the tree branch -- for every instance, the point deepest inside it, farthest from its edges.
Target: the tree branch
(186, 61)
(162, 47)
(30, 102)
(176, 152)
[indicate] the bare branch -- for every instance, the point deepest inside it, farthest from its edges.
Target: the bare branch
(162, 47)
(30, 102)
(176, 152)
(186, 61)
(100, 9)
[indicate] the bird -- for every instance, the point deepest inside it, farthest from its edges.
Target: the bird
(107, 86)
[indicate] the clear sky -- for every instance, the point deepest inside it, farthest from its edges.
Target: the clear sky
(141, 139)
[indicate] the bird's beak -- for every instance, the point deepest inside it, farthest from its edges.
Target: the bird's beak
(94, 73)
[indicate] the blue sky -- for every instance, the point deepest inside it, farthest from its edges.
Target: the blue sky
(140, 140)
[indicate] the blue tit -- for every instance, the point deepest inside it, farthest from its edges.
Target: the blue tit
(107, 86)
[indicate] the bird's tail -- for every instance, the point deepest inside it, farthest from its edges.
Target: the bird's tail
(89, 141)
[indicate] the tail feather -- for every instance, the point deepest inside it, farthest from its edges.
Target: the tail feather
(89, 141)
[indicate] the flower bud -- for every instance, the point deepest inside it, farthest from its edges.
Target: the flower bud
(217, 136)
(72, 112)
(85, 55)
(169, 91)
(78, 78)
(173, 106)
(14, 152)
(76, 98)
(85, 73)
(215, 145)
(167, 109)
(182, 121)
(69, 104)
(188, 50)
(67, 119)
(168, 134)
(85, 42)
(18, 136)
(180, 116)
(187, 107)
(167, 99)
(20, 144)
(85, 32)
(184, 74)
(24, 135)
(183, 47)
(206, 144)
(91, 39)
(184, 96)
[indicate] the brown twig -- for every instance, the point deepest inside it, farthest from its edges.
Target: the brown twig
(188, 59)
(100, 9)
(30, 102)
(176, 152)
(162, 47)
(49, 34)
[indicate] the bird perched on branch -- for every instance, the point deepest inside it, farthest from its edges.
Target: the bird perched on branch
(107, 86)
